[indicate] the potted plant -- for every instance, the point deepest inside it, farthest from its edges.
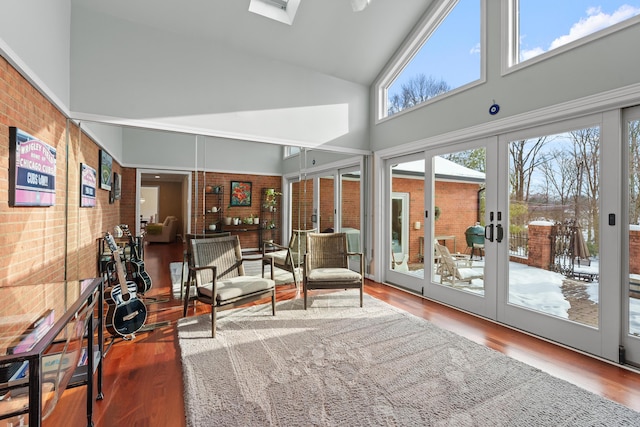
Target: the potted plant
(271, 198)
(228, 219)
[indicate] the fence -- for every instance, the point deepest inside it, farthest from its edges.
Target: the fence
(519, 244)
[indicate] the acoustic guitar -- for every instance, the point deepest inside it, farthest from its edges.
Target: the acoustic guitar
(138, 273)
(126, 313)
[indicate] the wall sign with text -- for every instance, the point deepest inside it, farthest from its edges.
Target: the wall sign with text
(32, 170)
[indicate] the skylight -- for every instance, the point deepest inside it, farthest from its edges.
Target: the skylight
(279, 10)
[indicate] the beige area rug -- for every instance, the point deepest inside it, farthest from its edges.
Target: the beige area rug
(340, 365)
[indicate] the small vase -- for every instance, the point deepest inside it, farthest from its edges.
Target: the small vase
(256, 220)
(236, 221)
(227, 220)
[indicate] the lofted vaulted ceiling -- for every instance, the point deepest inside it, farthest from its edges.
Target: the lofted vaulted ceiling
(326, 36)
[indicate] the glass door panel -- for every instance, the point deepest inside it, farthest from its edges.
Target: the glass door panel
(631, 308)
(404, 220)
(458, 197)
(326, 205)
(350, 212)
(406, 215)
(301, 204)
(553, 228)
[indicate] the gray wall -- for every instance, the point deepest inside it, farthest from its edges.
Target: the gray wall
(35, 34)
(608, 63)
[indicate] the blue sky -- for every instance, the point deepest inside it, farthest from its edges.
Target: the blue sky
(454, 55)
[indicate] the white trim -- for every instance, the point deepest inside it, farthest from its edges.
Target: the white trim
(616, 98)
(189, 176)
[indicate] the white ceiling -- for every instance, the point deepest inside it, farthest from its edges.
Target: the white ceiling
(326, 35)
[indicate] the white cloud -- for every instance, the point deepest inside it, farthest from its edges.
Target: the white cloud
(530, 53)
(475, 50)
(596, 20)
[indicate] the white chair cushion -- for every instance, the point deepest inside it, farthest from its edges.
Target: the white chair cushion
(279, 257)
(236, 286)
(332, 275)
(469, 273)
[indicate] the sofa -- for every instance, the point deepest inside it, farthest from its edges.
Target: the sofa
(164, 232)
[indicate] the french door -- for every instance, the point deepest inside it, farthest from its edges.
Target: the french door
(557, 260)
(516, 228)
(631, 237)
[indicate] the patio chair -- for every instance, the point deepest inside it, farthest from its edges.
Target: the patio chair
(290, 257)
(455, 270)
(326, 264)
(220, 280)
(399, 261)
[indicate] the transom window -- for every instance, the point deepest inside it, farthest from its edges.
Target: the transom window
(542, 26)
(445, 55)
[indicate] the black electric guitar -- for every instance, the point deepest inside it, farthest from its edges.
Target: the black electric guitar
(126, 313)
(137, 272)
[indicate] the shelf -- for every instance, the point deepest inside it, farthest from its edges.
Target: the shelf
(33, 395)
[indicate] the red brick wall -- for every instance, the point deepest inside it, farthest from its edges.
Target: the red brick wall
(202, 220)
(351, 204)
(33, 239)
(634, 252)
(458, 210)
(301, 205)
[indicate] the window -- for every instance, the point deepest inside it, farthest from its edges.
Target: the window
(445, 55)
(542, 26)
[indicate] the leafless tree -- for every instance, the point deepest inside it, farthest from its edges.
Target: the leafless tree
(525, 158)
(586, 144)
(560, 179)
(417, 90)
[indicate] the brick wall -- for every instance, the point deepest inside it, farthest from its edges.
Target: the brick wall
(201, 202)
(458, 210)
(37, 243)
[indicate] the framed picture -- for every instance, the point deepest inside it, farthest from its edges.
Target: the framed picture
(117, 186)
(106, 165)
(88, 182)
(240, 193)
(32, 170)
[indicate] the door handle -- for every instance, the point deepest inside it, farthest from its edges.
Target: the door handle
(500, 233)
(490, 228)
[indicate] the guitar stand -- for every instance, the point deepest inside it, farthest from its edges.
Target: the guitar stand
(145, 328)
(154, 300)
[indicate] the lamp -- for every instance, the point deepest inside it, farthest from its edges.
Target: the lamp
(416, 225)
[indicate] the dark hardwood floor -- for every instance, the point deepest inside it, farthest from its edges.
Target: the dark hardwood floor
(143, 378)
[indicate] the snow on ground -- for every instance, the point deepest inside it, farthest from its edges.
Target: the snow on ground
(541, 290)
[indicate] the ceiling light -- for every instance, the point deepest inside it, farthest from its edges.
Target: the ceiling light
(359, 5)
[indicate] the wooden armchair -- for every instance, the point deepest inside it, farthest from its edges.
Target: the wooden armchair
(187, 259)
(290, 257)
(455, 270)
(326, 264)
(219, 277)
